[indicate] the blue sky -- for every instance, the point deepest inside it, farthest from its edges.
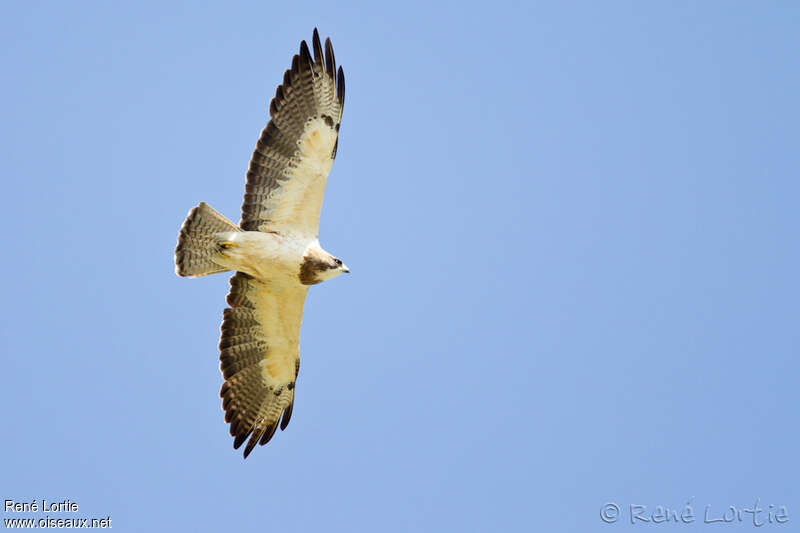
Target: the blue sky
(573, 231)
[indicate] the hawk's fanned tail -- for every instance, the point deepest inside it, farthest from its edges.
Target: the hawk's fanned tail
(198, 240)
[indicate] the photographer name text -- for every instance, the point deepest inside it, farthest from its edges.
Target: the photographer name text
(641, 514)
(33, 506)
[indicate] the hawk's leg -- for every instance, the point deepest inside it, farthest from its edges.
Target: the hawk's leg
(224, 245)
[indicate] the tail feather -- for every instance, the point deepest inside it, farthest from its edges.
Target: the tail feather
(198, 239)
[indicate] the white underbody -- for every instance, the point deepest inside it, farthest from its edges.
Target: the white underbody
(266, 256)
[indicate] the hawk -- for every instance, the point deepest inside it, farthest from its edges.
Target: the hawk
(275, 249)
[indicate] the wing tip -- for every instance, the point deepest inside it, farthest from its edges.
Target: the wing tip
(330, 58)
(287, 415)
(303, 61)
(305, 57)
(319, 57)
(249, 448)
(268, 432)
(239, 440)
(340, 86)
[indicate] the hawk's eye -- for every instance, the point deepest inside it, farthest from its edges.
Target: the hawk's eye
(338, 262)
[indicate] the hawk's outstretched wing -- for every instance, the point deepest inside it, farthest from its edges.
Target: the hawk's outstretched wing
(259, 357)
(293, 156)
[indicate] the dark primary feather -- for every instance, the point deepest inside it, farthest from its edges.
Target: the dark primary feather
(305, 57)
(340, 86)
(330, 59)
(318, 57)
(287, 415)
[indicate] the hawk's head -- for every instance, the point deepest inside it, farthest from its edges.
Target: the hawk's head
(318, 266)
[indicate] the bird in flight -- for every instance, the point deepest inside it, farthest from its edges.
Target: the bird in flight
(275, 250)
